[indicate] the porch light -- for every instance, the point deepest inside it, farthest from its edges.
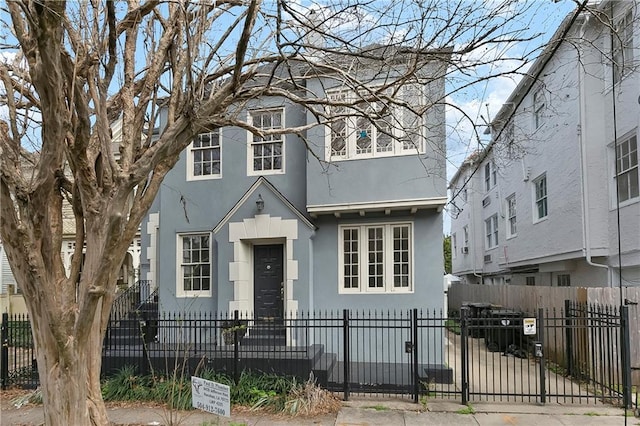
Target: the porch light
(260, 203)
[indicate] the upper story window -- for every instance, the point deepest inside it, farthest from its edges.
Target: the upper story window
(540, 210)
(205, 161)
(194, 265)
(465, 237)
(490, 175)
(266, 153)
(376, 258)
(365, 129)
(622, 43)
(509, 140)
(511, 216)
(491, 227)
(627, 169)
(538, 108)
(454, 246)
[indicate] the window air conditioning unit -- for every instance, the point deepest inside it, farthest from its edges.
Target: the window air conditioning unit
(465, 250)
(487, 258)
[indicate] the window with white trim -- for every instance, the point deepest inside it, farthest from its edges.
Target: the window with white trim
(622, 43)
(465, 235)
(538, 108)
(376, 258)
(490, 175)
(491, 227)
(194, 265)
(627, 169)
(266, 153)
(454, 246)
(511, 216)
(204, 156)
(509, 139)
(564, 280)
(366, 129)
(540, 207)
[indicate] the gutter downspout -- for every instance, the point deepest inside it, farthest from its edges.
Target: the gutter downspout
(584, 188)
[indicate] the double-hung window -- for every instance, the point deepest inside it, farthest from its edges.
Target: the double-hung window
(622, 54)
(194, 270)
(538, 108)
(627, 169)
(509, 140)
(376, 258)
(490, 175)
(465, 235)
(540, 210)
(454, 246)
(491, 227)
(204, 155)
(368, 128)
(266, 152)
(511, 216)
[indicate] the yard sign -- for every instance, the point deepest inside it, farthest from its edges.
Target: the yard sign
(210, 396)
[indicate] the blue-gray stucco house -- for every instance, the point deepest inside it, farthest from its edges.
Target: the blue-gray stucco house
(343, 215)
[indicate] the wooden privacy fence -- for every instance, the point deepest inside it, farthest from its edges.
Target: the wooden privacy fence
(530, 298)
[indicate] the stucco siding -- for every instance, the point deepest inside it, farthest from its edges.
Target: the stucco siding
(427, 266)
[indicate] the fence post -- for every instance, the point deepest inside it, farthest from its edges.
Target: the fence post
(626, 356)
(543, 381)
(236, 352)
(414, 352)
(464, 314)
(345, 338)
(568, 330)
(4, 368)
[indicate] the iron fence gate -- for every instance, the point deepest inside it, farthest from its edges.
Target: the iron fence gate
(576, 355)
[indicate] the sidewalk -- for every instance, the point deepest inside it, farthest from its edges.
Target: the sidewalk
(367, 412)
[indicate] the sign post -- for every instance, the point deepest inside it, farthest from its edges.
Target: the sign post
(211, 396)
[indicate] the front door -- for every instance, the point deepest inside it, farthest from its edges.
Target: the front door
(268, 281)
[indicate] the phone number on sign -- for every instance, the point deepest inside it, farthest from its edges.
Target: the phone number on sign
(211, 408)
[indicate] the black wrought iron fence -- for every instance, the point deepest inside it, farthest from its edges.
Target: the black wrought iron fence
(395, 352)
(405, 352)
(17, 359)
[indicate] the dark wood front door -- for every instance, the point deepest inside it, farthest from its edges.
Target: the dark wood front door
(268, 281)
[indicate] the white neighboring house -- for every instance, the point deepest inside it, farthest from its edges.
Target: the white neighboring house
(540, 205)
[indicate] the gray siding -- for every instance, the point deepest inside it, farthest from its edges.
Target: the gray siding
(428, 266)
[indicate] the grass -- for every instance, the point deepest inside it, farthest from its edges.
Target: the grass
(453, 325)
(466, 410)
(378, 407)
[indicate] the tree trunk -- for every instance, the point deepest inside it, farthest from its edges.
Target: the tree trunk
(70, 377)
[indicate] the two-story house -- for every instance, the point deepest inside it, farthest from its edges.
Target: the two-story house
(345, 214)
(553, 200)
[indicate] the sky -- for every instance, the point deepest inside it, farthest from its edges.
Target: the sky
(480, 101)
(483, 101)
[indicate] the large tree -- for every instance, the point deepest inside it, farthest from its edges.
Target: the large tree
(70, 70)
